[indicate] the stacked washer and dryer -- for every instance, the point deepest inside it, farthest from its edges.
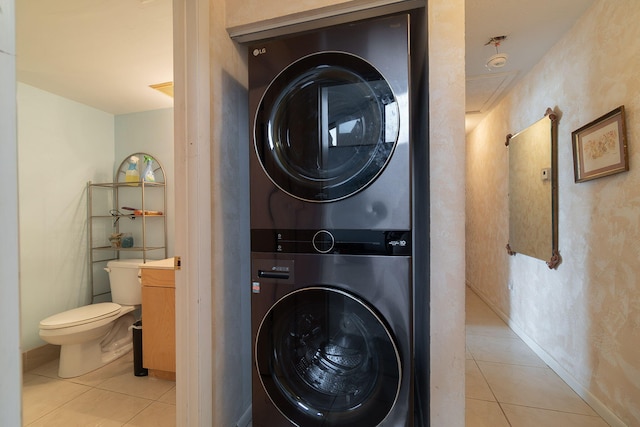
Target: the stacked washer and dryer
(331, 227)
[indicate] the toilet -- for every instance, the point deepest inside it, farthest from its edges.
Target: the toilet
(94, 335)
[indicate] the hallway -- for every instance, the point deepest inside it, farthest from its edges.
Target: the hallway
(507, 384)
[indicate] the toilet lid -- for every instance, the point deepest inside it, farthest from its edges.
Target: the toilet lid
(80, 315)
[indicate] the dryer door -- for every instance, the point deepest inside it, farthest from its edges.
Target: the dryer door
(325, 358)
(326, 127)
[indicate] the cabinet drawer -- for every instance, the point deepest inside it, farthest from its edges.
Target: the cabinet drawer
(158, 277)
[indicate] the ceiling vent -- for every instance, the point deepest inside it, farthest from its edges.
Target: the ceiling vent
(166, 88)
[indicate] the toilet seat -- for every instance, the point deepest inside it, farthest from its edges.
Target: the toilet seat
(81, 315)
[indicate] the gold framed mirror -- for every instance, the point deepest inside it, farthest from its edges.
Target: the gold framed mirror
(533, 191)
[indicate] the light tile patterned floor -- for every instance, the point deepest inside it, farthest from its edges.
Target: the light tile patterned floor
(507, 384)
(109, 396)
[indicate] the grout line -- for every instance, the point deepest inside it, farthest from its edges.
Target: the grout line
(99, 387)
(481, 302)
(492, 392)
(138, 413)
(584, 393)
(60, 405)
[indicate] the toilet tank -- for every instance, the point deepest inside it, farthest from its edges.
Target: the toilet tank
(124, 281)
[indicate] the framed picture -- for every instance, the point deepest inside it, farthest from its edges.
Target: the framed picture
(600, 147)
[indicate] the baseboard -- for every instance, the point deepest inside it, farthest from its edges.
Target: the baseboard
(39, 356)
(245, 419)
(580, 390)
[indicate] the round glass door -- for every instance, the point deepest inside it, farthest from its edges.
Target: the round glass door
(326, 127)
(326, 359)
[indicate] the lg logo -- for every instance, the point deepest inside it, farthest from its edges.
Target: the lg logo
(260, 51)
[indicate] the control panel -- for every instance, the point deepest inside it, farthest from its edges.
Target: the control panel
(352, 242)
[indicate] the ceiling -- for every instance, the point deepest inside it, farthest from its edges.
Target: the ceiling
(101, 53)
(106, 53)
(531, 27)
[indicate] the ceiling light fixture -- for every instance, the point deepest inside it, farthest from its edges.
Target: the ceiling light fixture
(498, 60)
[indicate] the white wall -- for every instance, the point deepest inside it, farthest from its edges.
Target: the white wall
(62, 145)
(11, 384)
(586, 314)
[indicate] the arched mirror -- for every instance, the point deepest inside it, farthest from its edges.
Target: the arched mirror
(533, 191)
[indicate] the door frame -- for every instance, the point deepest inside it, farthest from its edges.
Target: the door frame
(194, 370)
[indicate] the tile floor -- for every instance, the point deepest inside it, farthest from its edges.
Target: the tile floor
(507, 384)
(109, 396)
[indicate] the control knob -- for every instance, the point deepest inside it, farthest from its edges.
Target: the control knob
(323, 241)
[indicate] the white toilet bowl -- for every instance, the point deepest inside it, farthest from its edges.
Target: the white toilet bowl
(90, 336)
(94, 335)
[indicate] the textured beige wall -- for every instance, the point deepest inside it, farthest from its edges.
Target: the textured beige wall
(253, 11)
(249, 12)
(446, 173)
(586, 314)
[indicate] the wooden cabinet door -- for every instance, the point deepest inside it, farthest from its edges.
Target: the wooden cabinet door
(158, 328)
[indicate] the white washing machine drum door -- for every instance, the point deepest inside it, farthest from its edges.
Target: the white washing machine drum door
(326, 127)
(326, 359)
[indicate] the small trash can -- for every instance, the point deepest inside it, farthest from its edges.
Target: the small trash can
(138, 370)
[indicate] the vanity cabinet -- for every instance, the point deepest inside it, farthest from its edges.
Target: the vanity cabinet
(158, 322)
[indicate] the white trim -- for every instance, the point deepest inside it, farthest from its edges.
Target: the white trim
(580, 390)
(193, 213)
(320, 17)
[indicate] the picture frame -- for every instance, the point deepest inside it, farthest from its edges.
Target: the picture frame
(600, 147)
